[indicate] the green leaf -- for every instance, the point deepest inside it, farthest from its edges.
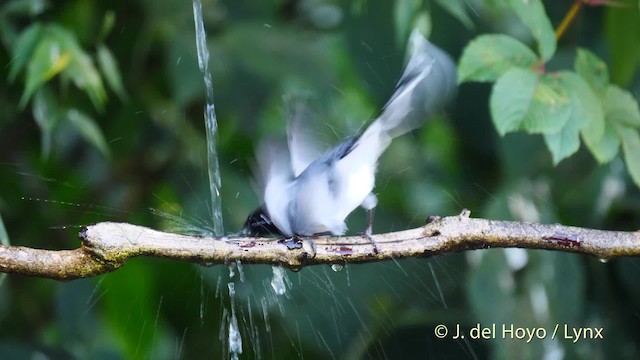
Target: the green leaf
(86, 77)
(458, 9)
(88, 129)
(48, 60)
(586, 108)
(622, 29)
(511, 98)
(524, 100)
(110, 70)
(45, 113)
(606, 148)
(404, 12)
(23, 49)
(532, 13)
(24, 7)
(81, 69)
(592, 135)
(58, 51)
(620, 111)
(488, 57)
(593, 70)
(586, 112)
(107, 24)
(631, 148)
(550, 109)
(565, 143)
(621, 107)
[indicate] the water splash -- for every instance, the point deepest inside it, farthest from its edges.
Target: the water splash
(435, 280)
(254, 332)
(182, 225)
(235, 338)
(240, 271)
(277, 282)
(232, 271)
(210, 121)
(201, 299)
(265, 315)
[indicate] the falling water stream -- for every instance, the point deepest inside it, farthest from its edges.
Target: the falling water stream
(211, 124)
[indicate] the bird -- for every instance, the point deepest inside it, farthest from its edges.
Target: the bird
(307, 192)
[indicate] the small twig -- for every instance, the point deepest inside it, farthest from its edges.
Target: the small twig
(568, 18)
(107, 246)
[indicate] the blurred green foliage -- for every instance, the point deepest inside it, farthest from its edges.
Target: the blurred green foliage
(564, 106)
(101, 119)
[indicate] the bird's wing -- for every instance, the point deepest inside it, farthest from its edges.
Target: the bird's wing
(303, 146)
(277, 176)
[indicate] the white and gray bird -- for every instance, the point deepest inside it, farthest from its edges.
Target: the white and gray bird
(307, 192)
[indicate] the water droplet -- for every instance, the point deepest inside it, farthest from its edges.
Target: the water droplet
(337, 267)
(277, 282)
(295, 268)
(218, 286)
(604, 261)
(240, 270)
(348, 276)
(265, 315)
(235, 338)
(201, 299)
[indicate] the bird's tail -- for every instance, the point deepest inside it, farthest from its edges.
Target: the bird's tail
(427, 84)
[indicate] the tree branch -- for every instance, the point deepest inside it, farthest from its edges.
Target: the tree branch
(107, 246)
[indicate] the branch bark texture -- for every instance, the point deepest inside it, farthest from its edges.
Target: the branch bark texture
(107, 246)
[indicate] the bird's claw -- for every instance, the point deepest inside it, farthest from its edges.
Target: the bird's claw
(367, 234)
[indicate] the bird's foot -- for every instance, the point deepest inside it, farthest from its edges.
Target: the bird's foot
(367, 234)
